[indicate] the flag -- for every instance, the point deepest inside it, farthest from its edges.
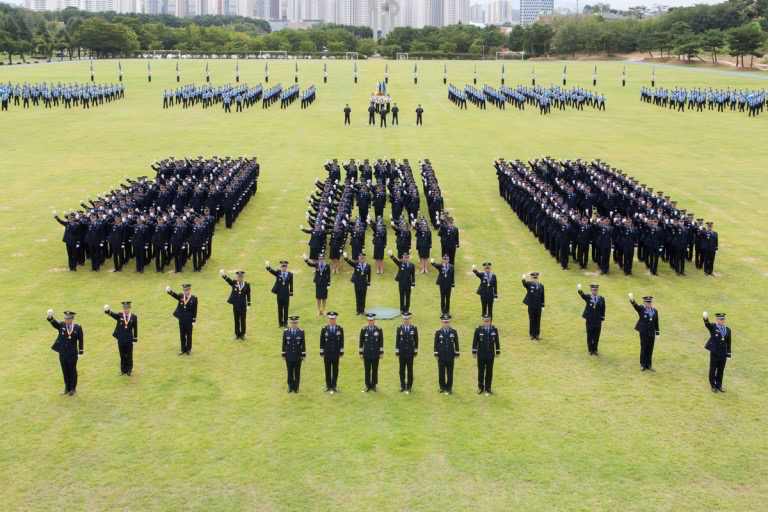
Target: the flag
(502, 69)
(266, 68)
(533, 70)
(386, 67)
(149, 69)
(325, 66)
(595, 68)
(475, 68)
(653, 71)
(564, 70)
(415, 68)
(237, 68)
(119, 66)
(355, 67)
(625, 71)
(177, 66)
(206, 67)
(445, 67)
(297, 66)
(384, 87)
(91, 67)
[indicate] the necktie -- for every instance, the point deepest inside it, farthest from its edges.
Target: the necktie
(649, 311)
(487, 330)
(723, 330)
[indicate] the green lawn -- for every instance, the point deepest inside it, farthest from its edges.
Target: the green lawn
(217, 431)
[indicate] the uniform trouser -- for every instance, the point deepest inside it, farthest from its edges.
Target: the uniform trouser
(118, 257)
(486, 304)
(239, 321)
(716, 369)
(72, 256)
(178, 258)
(445, 374)
(534, 321)
(185, 335)
(360, 300)
(484, 373)
(371, 367)
(582, 255)
(228, 217)
(197, 258)
(405, 298)
(126, 356)
(699, 258)
(69, 370)
(646, 350)
(331, 371)
(604, 258)
(652, 259)
(406, 372)
(418, 119)
(282, 310)
(95, 256)
(445, 300)
(394, 119)
(628, 256)
(593, 335)
(161, 257)
(140, 258)
(680, 253)
(709, 261)
(346, 119)
(294, 374)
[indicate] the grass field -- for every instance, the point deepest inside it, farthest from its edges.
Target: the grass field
(217, 431)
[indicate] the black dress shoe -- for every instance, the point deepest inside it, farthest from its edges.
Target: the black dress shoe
(489, 391)
(290, 390)
(181, 353)
(441, 391)
(375, 389)
(335, 389)
(72, 393)
(366, 390)
(650, 369)
(714, 390)
(327, 389)
(450, 392)
(128, 373)
(596, 353)
(642, 368)
(721, 390)
(121, 374)
(402, 389)
(66, 392)
(479, 391)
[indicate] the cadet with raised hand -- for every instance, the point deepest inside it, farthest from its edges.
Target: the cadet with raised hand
(594, 315)
(719, 346)
(69, 345)
(127, 335)
(534, 299)
(186, 313)
(406, 279)
(322, 279)
(445, 280)
(283, 289)
(648, 327)
(240, 298)
(487, 289)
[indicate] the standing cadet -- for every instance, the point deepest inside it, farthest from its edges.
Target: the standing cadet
(371, 115)
(648, 327)
(347, 111)
(283, 289)
(69, 345)
(395, 111)
(331, 349)
(383, 116)
(371, 351)
(534, 299)
(406, 279)
(186, 312)
(406, 348)
(322, 280)
(446, 283)
(361, 278)
(449, 238)
(127, 335)
(240, 298)
(487, 289)
(71, 230)
(594, 315)
(485, 348)
(294, 352)
(719, 346)
(708, 249)
(446, 351)
(419, 112)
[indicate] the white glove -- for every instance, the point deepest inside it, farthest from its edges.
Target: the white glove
(106, 307)
(390, 252)
(267, 263)
(221, 272)
(474, 267)
(658, 337)
(345, 255)
(578, 286)
(168, 289)
(705, 315)
(53, 212)
(304, 256)
(79, 356)
(193, 323)
(432, 260)
(631, 296)
(50, 313)
(301, 226)
(524, 275)
(247, 308)
(135, 342)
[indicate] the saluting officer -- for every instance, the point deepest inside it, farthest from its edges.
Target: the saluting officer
(371, 351)
(240, 298)
(406, 348)
(361, 278)
(186, 312)
(487, 289)
(331, 349)
(446, 351)
(127, 335)
(283, 289)
(709, 249)
(485, 348)
(446, 283)
(594, 315)
(406, 279)
(347, 111)
(322, 281)
(534, 299)
(648, 327)
(719, 346)
(294, 352)
(69, 345)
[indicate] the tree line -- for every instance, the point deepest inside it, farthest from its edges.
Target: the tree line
(738, 27)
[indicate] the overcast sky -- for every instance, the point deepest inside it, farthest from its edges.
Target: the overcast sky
(624, 4)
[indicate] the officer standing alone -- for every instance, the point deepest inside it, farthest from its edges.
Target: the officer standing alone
(294, 352)
(485, 348)
(371, 351)
(648, 327)
(534, 299)
(594, 315)
(283, 290)
(406, 348)
(127, 335)
(487, 289)
(331, 350)
(240, 298)
(719, 346)
(446, 352)
(186, 313)
(69, 345)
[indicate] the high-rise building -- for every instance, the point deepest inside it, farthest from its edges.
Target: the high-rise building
(530, 9)
(477, 13)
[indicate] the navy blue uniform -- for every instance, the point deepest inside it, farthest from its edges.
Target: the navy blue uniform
(69, 345)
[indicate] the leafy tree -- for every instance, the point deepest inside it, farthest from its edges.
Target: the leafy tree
(746, 40)
(712, 41)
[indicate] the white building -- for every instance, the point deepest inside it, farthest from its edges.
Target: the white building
(530, 9)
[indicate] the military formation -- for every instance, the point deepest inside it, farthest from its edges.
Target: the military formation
(752, 102)
(579, 209)
(545, 99)
(72, 95)
(170, 219)
(225, 97)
